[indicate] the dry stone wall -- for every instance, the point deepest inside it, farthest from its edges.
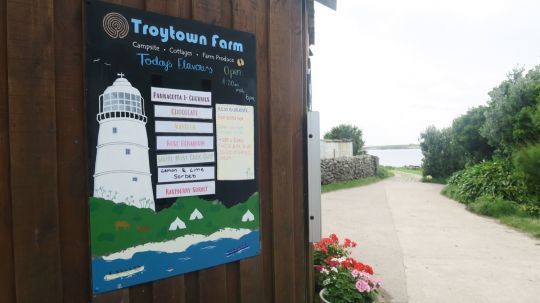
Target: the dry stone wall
(348, 168)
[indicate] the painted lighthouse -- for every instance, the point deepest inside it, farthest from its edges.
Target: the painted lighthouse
(122, 172)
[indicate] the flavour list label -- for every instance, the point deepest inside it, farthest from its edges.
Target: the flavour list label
(182, 112)
(185, 189)
(182, 96)
(185, 158)
(184, 127)
(184, 142)
(179, 174)
(235, 142)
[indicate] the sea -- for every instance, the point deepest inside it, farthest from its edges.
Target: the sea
(398, 157)
(159, 265)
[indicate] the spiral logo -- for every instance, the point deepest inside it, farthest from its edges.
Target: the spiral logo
(115, 25)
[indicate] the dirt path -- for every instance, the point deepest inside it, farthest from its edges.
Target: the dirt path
(427, 248)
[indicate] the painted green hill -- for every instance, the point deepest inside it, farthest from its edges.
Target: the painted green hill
(115, 227)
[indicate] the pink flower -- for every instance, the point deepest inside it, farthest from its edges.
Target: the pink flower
(318, 267)
(355, 273)
(362, 286)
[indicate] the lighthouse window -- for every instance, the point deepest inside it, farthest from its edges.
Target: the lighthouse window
(134, 179)
(106, 97)
(114, 96)
(128, 151)
(121, 95)
(114, 130)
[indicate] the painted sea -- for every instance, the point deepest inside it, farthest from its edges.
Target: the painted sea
(398, 157)
(153, 265)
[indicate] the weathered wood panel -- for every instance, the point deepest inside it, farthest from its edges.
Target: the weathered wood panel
(44, 169)
(7, 286)
(72, 168)
(33, 152)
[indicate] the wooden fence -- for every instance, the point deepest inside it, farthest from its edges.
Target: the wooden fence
(44, 168)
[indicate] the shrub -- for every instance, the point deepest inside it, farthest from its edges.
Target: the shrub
(442, 156)
(490, 178)
(530, 209)
(384, 172)
(527, 162)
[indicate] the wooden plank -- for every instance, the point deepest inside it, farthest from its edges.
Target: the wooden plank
(209, 11)
(118, 296)
(158, 6)
(244, 15)
(179, 8)
(213, 284)
(191, 281)
(299, 107)
(32, 134)
(233, 282)
(285, 89)
(142, 293)
(226, 13)
(71, 153)
(265, 144)
(169, 290)
(7, 287)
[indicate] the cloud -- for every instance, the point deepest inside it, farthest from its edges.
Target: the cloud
(394, 67)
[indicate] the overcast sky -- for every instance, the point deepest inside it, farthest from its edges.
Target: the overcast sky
(393, 67)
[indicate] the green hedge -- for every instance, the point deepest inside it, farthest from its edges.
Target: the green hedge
(490, 178)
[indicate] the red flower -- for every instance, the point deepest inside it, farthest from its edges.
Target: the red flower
(363, 267)
(334, 238)
(318, 267)
(331, 262)
(369, 270)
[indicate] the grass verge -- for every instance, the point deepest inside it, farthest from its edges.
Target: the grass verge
(409, 170)
(530, 225)
(383, 174)
(507, 212)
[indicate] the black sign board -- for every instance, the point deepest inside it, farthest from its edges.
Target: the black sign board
(171, 118)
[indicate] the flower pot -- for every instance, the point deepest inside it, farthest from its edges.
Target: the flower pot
(321, 295)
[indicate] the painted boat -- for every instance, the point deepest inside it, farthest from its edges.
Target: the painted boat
(237, 250)
(123, 274)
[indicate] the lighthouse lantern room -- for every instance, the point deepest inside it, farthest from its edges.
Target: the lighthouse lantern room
(122, 171)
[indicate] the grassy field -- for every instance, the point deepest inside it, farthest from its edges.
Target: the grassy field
(383, 174)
